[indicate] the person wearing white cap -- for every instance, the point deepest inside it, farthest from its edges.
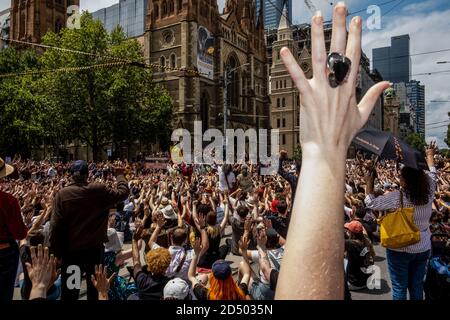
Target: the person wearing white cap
(12, 228)
(177, 289)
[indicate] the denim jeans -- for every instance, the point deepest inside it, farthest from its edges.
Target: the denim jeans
(9, 260)
(407, 271)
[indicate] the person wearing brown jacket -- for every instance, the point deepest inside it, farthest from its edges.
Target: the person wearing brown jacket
(78, 228)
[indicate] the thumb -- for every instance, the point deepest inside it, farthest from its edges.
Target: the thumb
(29, 267)
(368, 102)
(94, 282)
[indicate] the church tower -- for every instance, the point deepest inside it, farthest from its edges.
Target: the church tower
(32, 19)
(180, 34)
(285, 108)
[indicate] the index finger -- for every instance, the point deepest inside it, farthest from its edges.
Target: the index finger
(295, 71)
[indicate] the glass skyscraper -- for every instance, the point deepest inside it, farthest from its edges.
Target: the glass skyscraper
(129, 14)
(394, 62)
(416, 95)
(272, 11)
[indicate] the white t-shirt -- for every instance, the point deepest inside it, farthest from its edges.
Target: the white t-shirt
(177, 254)
(274, 255)
(223, 186)
(114, 244)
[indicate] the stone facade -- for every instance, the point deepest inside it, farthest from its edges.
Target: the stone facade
(32, 19)
(193, 35)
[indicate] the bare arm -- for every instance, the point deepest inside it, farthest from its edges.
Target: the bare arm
(330, 119)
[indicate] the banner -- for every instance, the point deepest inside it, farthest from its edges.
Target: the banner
(205, 53)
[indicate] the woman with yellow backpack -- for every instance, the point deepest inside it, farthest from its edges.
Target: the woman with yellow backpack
(405, 232)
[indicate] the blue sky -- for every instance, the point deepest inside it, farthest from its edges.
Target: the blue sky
(426, 21)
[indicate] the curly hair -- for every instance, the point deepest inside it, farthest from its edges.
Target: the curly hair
(158, 261)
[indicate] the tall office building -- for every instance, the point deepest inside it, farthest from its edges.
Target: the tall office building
(394, 62)
(129, 14)
(272, 11)
(416, 95)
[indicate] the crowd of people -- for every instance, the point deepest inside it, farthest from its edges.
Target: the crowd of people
(306, 233)
(186, 220)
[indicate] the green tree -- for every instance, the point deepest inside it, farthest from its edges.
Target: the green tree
(298, 153)
(116, 105)
(416, 141)
(20, 126)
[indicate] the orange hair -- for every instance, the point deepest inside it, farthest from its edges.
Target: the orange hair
(225, 290)
(158, 261)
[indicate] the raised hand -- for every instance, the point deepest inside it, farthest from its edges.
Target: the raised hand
(101, 281)
(160, 221)
(331, 116)
(197, 247)
(41, 271)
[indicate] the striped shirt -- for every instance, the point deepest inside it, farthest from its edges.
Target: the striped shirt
(422, 214)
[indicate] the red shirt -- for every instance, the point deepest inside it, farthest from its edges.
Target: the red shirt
(11, 222)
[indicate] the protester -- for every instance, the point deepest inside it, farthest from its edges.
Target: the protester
(408, 265)
(358, 254)
(79, 225)
(222, 286)
(12, 228)
(150, 279)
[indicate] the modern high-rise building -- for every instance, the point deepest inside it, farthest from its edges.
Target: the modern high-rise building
(129, 14)
(272, 11)
(394, 62)
(416, 96)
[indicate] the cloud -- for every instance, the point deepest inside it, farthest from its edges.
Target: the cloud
(428, 32)
(419, 6)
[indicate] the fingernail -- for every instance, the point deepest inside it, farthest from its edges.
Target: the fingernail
(318, 18)
(357, 20)
(340, 4)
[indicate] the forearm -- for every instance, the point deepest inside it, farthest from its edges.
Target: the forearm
(136, 254)
(193, 270)
(319, 201)
(154, 237)
(264, 263)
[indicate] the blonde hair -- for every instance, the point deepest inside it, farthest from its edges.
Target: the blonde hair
(158, 261)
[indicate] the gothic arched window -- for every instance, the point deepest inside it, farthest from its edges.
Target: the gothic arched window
(164, 9)
(173, 61)
(162, 62)
(233, 82)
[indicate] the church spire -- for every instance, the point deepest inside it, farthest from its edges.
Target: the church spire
(284, 23)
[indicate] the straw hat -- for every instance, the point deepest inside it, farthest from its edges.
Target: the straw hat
(5, 169)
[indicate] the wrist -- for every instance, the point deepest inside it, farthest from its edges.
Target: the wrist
(38, 291)
(102, 296)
